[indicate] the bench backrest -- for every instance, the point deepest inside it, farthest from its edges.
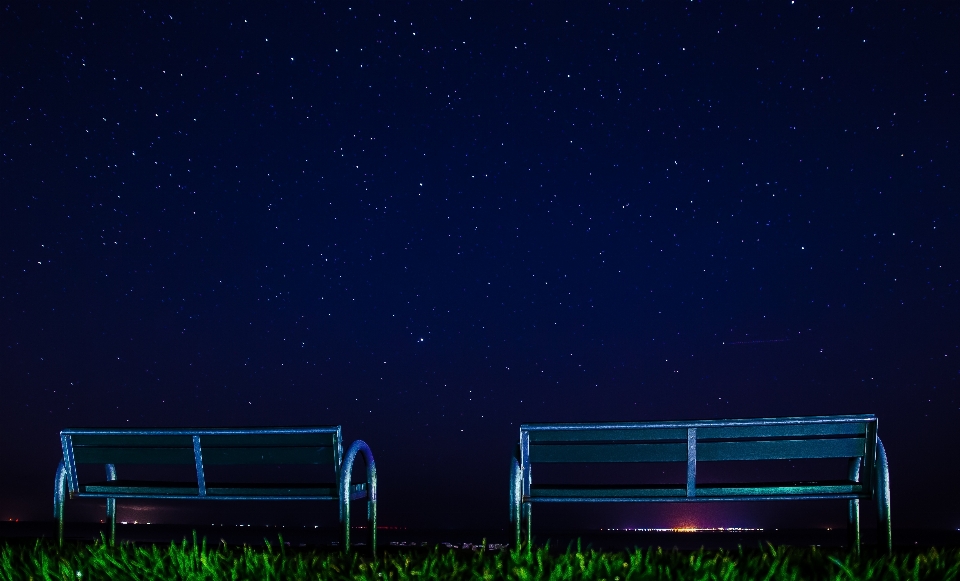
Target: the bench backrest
(200, 447)
(703, 441)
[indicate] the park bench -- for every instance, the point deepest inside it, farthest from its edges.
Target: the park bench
(696, 442)
(246, 449)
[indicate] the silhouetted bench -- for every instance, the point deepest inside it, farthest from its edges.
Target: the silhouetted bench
(204, 448)
(696, 442)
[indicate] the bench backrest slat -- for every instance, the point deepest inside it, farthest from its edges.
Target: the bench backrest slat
(609, 434)
(785, 431)
(275, 440)
(295, 448)
(603, 452)
(133, 440)
(781, 449)
(706, 451)
(125, 455)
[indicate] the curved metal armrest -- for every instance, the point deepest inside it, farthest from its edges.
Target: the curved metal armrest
(515, 487)
(59, 490)
(882, 488)
(346, 469)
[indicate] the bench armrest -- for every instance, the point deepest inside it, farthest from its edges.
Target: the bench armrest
(515, 485)
(346, 469)
(882, 491)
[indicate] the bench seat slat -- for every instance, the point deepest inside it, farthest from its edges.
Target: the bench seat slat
(663, 452)
(127, 487)
(624, 491)
(133, 488)
(802, 488)
(702, 492)
(781, 449)
(273, 490)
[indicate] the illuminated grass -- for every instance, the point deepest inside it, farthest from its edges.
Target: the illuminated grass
(192, 560)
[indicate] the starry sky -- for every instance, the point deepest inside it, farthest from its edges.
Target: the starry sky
(430, 222)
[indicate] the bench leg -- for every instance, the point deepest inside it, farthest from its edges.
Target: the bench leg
(883, 498)
(853, 510)
(112, 506)
(372, 513)
(853, 525)
(59, 495)
(516, 530)
(515, 492)
(371, 520)
(345, 521)
(526, 511)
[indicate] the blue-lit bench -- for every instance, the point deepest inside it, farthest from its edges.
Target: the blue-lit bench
(695, 442)
(203, 448)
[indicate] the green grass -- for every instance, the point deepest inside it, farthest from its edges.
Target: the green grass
(195, 560)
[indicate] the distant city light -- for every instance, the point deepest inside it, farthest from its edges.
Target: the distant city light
(685, 530)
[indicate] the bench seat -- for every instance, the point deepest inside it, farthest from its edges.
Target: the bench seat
(820, 442)
(661, 493)
(313, 453)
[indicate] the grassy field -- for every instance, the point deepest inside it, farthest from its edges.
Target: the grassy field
(197, 561)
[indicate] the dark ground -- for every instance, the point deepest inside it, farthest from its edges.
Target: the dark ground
(309, 536)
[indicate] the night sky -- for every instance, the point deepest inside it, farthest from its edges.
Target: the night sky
(431, 222)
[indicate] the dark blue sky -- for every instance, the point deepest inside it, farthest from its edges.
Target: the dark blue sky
(434, 221)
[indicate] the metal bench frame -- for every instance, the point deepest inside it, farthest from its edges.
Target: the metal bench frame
(66, 483)
(812, 437)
